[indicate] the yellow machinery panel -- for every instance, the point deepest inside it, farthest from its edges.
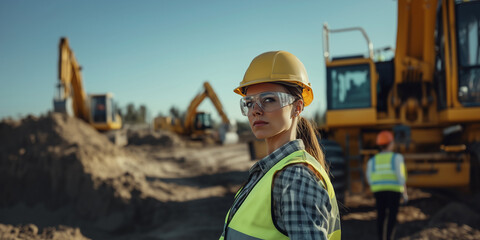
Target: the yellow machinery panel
(443, 174)
(460, 114)
(339, 118)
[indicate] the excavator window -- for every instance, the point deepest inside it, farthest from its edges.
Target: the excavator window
(113, 110)
(203, 121)
(439, 77)
(348, 87)
(99, 109)
(468, 48)
(385, 70)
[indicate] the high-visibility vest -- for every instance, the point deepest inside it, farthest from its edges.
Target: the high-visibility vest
(383, 175)
(254, 218)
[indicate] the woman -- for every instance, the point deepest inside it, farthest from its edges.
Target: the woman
(288, 194)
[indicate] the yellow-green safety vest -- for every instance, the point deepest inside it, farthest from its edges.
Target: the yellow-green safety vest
(382, 173)
(254, 218)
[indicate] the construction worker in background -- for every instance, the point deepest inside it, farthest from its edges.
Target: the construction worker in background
(386, 176)
(288, 194)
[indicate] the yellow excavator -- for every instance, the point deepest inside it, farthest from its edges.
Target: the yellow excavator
(98, 110)
(428, 94)
(198, 124)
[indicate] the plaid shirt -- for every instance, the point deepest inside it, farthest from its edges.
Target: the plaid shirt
(301, 205)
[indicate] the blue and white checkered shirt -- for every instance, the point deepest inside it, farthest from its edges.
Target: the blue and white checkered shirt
(301, 205)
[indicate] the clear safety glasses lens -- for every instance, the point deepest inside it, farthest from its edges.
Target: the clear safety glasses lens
(267, 101)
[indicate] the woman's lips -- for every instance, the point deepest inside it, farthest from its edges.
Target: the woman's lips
(259, 123)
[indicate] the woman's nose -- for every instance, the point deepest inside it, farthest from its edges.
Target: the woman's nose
(256, 109)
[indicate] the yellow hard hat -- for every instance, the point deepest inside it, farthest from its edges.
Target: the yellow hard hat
(277, 66)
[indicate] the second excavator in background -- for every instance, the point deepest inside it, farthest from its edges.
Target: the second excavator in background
(198, 124)
(98, 110)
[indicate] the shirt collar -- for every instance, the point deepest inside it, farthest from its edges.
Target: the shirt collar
(280, 153)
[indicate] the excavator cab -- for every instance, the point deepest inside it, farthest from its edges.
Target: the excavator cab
(351, 85)
(103, 114)
(468, 45)
(203, 121)
(99, 109)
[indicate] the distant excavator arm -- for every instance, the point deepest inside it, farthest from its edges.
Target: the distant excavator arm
(192, 109)
(216, 102)
(71, 85)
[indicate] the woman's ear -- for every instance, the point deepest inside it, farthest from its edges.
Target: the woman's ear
(297, 108)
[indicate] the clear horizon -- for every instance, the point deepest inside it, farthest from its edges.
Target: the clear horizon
(159, 53)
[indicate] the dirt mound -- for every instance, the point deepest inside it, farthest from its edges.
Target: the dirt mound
(156, 138)
(60, 161)
(30, 232)
(454, 221)
(446, 231)
(456, 213)
(57, 170)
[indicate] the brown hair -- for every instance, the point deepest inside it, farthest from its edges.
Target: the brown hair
(307, 131)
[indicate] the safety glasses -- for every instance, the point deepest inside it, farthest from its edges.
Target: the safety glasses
(267, 101)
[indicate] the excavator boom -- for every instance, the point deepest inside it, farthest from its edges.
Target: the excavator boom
(216, 102)
(70, 83)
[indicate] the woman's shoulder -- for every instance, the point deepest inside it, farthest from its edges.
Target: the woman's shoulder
(297, 173)
(299, 180)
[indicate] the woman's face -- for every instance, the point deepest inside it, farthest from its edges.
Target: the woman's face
(269, 124)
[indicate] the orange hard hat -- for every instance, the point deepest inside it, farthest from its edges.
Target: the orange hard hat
(384, 138)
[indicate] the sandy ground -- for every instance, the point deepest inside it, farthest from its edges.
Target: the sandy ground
(192, 187)
(201, 182)
(60, 179)
(429, 214)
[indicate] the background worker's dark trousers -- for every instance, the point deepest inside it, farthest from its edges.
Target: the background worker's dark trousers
(387, 202)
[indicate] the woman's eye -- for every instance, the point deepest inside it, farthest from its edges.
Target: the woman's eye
(249, 104)
(268, 100)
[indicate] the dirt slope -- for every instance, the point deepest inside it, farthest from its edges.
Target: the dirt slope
(61, 162)
(61, 179)
(430, 214)
(57, 170)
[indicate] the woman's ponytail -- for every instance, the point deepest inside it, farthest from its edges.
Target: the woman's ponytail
(306, 130)
(308, 133)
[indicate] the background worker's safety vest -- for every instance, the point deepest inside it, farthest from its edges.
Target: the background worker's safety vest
(383, 175)
(254, 218)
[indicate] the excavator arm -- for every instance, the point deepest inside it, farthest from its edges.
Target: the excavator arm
(192, 109)
(70, 83)
(216, 102)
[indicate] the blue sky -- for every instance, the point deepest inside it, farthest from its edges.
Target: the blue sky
(158, 53)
